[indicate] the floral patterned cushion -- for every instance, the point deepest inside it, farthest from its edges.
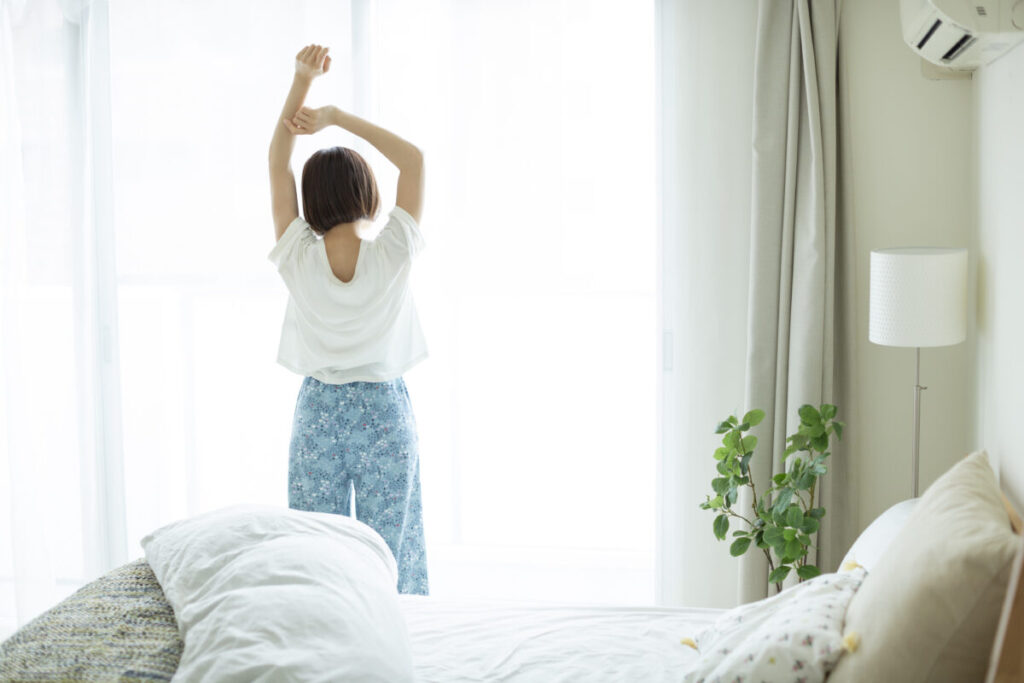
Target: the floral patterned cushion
(795, 636)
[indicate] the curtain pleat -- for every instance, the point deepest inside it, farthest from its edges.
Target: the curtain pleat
(790, 335)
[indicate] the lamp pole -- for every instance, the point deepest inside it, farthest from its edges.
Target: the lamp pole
(917, 416)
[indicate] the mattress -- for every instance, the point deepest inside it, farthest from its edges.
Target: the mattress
(456, 641)
(121, 627)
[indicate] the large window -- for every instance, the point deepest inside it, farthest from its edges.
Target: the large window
(536, 409)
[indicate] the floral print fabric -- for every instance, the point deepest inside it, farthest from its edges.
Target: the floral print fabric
(795, 636)
(361, 436)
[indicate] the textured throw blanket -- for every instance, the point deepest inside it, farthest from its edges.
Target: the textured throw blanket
(120, 627)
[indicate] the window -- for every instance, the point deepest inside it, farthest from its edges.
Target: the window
(537, 291)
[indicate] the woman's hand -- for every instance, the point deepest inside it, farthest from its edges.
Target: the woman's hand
(308, 121)
(312, 61)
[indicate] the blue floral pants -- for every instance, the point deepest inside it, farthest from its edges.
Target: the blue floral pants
(362, 436)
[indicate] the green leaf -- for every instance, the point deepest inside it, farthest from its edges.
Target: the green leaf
(810, 525)
(739, 546)
(789, 534)
(773, 535)
(730, 496)
(794, 549)
(721, 452)
(740, 532)
(808, 571)
(721, 526)
(723, 467)
(817, 513)
(828, 411)
(715, 503)
(780, 477)
(745, 462)
(722, 428)
(809, 415)
(820, 442)
(744, 427)
(779, 575)
(799, 441)
(720, 485)
(805, 482)
(838, 426)
(782, 502)
(749, 443)
(731, 440)
(754, 417)
(732, 420)
(794, 517)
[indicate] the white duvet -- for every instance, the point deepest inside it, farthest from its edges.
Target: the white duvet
(271, 594)
(459, 641)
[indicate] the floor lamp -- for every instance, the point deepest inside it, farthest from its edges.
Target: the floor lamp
(918, 299)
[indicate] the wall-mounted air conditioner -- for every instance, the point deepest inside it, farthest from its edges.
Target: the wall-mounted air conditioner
(962, 34)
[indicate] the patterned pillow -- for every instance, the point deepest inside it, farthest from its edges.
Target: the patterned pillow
(119, 627)
(795, 636)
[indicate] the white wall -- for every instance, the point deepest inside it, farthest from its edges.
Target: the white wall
(999, 117)
(907, 178)
(707, 102)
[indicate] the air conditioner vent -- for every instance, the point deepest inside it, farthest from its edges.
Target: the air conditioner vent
(959, 46)
(931, 32)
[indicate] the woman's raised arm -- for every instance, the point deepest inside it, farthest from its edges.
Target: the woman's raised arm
(311, 61)
(405, 155)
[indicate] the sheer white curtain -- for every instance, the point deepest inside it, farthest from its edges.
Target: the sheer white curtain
(140, 316)
(61, 450)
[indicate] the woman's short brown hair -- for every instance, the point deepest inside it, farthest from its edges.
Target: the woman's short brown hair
(338, 187)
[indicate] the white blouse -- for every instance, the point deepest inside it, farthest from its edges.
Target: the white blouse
(363, 330)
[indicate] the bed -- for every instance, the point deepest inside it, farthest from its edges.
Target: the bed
(123, 626)
(120, 627)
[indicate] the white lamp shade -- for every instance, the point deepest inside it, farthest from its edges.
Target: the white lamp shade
(918, 296)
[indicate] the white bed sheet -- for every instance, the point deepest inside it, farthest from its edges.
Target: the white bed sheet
(458, 642)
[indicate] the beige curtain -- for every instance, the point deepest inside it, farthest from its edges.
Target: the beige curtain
(790, 324)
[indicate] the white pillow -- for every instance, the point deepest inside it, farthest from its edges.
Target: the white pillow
(869, 547)
(795, 635)
(271, 594)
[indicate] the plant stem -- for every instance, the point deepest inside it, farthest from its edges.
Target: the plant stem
(737, 516)
(750, 479)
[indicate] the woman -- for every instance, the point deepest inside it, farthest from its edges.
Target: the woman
(351, 327)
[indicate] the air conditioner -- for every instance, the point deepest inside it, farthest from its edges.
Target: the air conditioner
(962, 34)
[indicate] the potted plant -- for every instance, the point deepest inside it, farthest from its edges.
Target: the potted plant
(783, 519)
